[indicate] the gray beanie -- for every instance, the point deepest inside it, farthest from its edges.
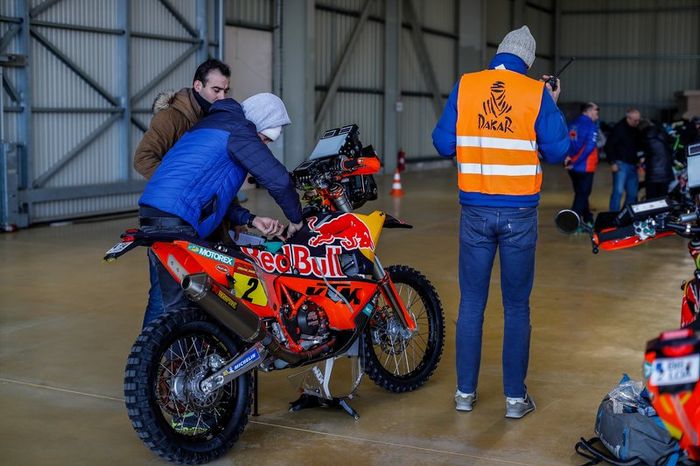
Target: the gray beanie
(267, 112)
(519, 42)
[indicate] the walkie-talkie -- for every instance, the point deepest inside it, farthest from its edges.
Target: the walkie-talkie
(552, 81)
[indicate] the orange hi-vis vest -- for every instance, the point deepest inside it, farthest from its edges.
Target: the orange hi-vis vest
(496, 140)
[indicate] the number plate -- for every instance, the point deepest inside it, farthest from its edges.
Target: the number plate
(119, 247)
(250, 289)
(676, 371)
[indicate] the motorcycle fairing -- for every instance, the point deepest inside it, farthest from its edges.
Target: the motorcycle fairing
(678, 405)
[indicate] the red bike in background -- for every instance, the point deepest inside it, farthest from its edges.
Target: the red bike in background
(672, 361)
(319, 296)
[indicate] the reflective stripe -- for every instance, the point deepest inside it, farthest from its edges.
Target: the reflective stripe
(496, 143)
(503, 170)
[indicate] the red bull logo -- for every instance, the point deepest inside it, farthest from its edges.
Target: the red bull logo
(299, 259)
(346, 228)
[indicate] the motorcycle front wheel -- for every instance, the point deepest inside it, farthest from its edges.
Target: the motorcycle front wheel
(161, 387)
(395, 358)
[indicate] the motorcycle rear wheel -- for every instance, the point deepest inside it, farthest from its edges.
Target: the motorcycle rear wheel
(395, 359)
(170, 417)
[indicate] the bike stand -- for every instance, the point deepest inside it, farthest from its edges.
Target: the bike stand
(306, 401)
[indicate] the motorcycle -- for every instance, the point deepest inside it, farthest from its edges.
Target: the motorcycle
(271, 305)
(672, 361)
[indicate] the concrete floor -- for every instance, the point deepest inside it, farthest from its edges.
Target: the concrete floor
(68, 322)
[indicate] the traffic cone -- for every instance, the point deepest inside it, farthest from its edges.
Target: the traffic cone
(396, 189)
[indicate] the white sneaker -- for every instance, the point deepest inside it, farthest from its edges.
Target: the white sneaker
(464, 401)
(519, 407)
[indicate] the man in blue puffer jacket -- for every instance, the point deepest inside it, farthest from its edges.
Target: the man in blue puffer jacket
(193, 188)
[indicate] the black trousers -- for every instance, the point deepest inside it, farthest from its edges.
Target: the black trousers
(656, 190)
(583, 185)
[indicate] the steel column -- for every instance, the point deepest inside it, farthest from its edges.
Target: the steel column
(123, 60)
(298, 34)
(392, 85)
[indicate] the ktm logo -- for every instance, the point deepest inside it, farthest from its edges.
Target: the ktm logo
(496, 109)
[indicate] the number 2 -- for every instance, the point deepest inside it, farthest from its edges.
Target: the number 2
(253, 284)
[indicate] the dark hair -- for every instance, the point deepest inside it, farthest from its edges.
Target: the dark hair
(209, 65)
(587, 106)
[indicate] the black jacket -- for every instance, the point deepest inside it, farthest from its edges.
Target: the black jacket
(624, 143)
(657, 154)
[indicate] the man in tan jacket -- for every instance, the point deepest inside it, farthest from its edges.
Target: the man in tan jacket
(177, 112)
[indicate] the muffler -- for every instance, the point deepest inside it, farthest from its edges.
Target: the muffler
(236, 316)
(225, 308)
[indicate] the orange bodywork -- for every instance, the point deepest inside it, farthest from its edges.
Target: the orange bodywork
(624, 243)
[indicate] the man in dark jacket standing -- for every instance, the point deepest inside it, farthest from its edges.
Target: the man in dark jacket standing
(622, 150)
(193, 189)
(657, 160)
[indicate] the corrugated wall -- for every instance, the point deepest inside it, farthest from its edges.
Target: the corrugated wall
(632, 53)
(250, 13)
(360, 96)
(417, 120)
(81, 79)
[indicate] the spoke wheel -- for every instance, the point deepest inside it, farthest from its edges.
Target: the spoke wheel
(167, 408)
(395, 358)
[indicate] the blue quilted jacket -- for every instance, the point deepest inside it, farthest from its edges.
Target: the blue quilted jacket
(201, 174)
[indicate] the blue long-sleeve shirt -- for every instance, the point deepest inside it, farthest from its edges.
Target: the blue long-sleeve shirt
(550, 128)
(583, 133)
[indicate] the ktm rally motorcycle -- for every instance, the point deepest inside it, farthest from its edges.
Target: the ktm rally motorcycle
(672, 361)
(270, 305)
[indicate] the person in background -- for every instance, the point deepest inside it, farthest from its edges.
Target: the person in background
(497, 122)
(583, 158)
(623, 148)
(193, 189)
(658, 160)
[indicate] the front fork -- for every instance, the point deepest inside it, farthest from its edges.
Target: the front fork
(392, 295)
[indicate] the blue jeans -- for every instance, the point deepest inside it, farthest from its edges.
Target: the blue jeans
(165, 294)
(154, 308)
(514, 232)
(624, 179)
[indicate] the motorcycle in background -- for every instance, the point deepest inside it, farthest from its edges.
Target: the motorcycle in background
(264, 304)
(672, 361)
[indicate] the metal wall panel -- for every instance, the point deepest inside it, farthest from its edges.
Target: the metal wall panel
(365, 67)
(150, 16)
(81, 138)
(498, 14)
(376, 9)
(366, 110)
(251, 12)
(149, 57)
(58, 210)
(635, 53)
(416, 123)
(440, 15)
